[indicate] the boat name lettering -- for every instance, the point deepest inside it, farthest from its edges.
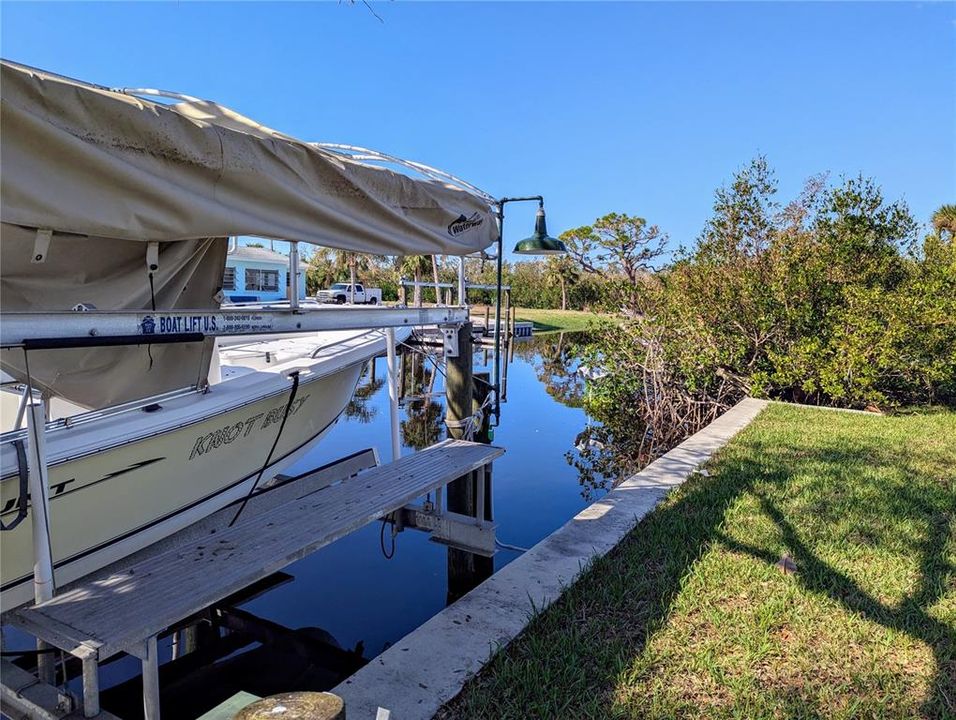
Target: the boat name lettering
(57, 489)
(235, 431)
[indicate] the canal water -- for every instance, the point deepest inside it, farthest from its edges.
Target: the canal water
(351, 594)
(350, 588)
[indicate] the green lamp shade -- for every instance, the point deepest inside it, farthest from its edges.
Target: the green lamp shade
(540, 243)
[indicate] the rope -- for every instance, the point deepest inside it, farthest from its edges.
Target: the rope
(473, 422)
(24, 488)
(285, 416)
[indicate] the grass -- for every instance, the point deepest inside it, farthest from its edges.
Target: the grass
(550, 320)
(691, 616)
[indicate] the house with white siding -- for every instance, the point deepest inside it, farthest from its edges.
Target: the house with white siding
(257, 274)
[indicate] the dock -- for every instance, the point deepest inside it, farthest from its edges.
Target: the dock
(127, 606)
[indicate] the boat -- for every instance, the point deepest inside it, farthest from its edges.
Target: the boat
(127, 476)
(165, 404)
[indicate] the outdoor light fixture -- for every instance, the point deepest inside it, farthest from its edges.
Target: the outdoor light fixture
(539, 243)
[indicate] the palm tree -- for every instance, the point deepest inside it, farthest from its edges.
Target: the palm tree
(417, 265)
(353, 261)
(435, 276)
(944, 220)
(321, 271)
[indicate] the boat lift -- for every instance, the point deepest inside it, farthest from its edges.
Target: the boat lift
(125, 607)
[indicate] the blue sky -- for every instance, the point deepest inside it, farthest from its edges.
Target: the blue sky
(638, 108)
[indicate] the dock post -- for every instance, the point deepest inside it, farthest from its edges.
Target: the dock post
(393, 392)
(458, 384)
(43, 585)
(151, 681)
(465, 570)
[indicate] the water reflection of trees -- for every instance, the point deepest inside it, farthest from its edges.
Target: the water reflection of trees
(607, 449)
(600, 458)
(358, 407)
(423, 424)
(555, 358)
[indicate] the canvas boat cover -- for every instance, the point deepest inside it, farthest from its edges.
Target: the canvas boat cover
(91, 161)
(108, 172)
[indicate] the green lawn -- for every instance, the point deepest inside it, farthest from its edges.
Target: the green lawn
(692, 616)
(547, 320)
(555, 320)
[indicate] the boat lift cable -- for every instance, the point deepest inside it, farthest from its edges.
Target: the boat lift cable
(506, 546)
(288, 407)
(429, 356)
(389, 554)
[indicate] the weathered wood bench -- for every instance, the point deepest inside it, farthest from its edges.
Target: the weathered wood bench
(125, 609)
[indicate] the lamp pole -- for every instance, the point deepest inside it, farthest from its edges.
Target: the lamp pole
(501, 233)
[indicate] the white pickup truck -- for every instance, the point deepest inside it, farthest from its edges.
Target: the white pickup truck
(340, 293)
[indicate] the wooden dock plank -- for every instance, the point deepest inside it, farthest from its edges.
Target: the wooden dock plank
(120, 610)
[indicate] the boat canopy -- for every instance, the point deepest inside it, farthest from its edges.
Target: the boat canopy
(92, 161)
(109, 201)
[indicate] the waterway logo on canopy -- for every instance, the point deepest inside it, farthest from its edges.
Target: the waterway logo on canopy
(463, 224)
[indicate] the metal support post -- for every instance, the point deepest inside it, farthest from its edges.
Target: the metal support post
(501, 230)
(294, 275)
(462, 290)
(151, 681)
(91, 687)
(22, 407)
(393, 392)
(480, 504)
(43, 585)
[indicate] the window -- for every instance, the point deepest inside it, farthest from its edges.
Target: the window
(229, 279)
(265, 280)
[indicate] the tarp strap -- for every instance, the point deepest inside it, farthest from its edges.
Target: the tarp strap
(24, 487)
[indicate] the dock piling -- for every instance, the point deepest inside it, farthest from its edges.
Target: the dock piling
(464, 496)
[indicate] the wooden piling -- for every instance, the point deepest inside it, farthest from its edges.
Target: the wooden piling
(466, 570)
(312, 705)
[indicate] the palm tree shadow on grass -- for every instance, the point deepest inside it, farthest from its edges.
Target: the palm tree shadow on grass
(639, 581)
(909, 617)
(637, 591)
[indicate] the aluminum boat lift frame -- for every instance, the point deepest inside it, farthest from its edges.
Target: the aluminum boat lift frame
(80, 328)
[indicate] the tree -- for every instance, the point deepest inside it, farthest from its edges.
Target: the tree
(417, 265)
(616, 243)
(321, 271)
(434, 259)
(562, 270)
(944, 221)
(353, 261)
